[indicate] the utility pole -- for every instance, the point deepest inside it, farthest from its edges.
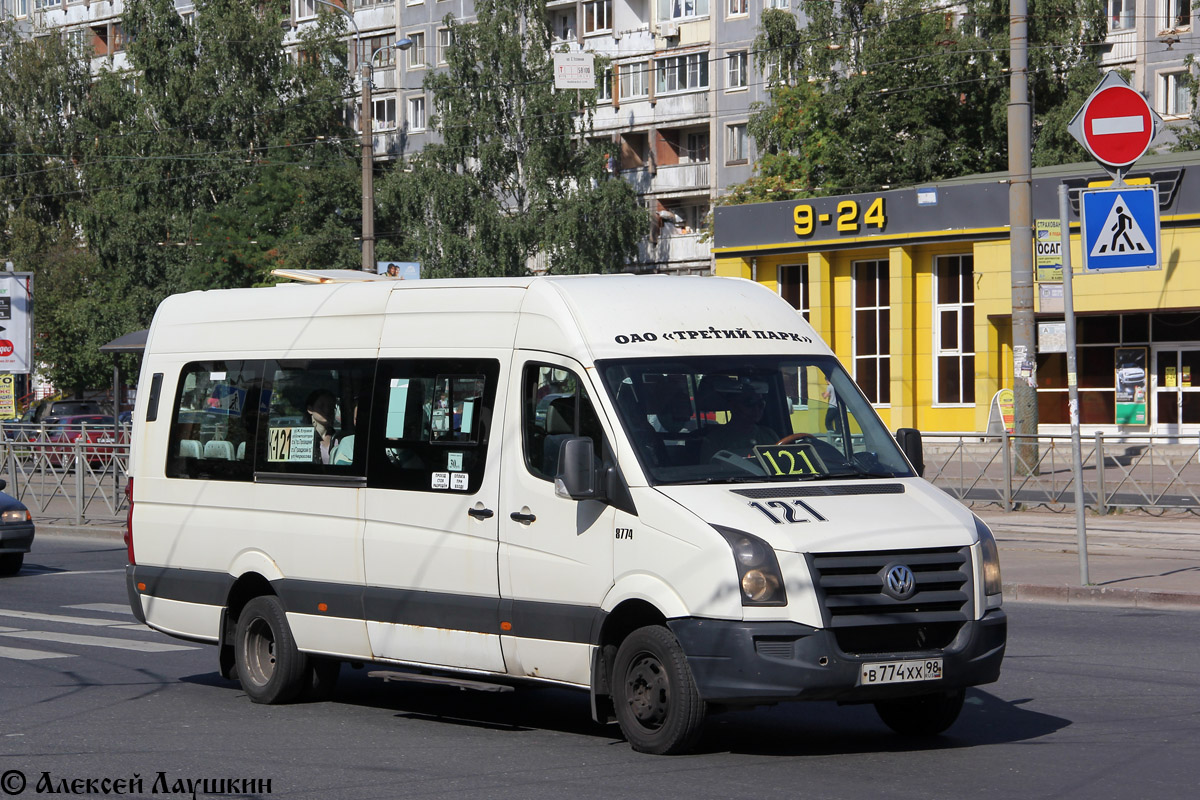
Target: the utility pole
(366, 118)
(1020, 220)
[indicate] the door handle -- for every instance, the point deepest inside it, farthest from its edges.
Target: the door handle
(481, 513)
(517, 516)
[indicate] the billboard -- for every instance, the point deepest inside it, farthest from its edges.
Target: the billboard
(16, 322)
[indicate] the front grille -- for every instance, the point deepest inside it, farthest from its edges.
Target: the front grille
(865, 619)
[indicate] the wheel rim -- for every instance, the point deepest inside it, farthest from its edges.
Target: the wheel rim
(648, 691)
(260, 652)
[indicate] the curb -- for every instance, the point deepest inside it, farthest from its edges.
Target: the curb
(1101, 596)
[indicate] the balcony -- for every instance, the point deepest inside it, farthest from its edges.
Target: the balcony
(675, 251)
(1120, 47)
(681, 177)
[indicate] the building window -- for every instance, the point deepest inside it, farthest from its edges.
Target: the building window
(872, 330)
(954, 330)
(381, 50)
(1174, 94)
(416, 113)
(783, 4)
(445, 39)
(682, 9)
(416, 53)
(1120, 14)
(597, 16)
(737, 8)
(793, 286)
(188, 17)
(20, 8)
(604, 85)
(383, 114)
(78, 40)
(735, 144)
(696, 148)
(737, 70)
(1176, 14)
(306, 8)
(634, 80)
(117, 37)
(46, 4)
(681, 73)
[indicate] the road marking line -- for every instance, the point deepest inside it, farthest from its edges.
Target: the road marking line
(21, 654)
(111, 608)
(93, 621)
(98, 641)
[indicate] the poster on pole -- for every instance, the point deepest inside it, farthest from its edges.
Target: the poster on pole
(16, 322)
(1130, 369)
(8, 396)
(1048, 250)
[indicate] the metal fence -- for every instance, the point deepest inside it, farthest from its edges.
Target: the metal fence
(72, 481)
(84, 480)
(1151, 473)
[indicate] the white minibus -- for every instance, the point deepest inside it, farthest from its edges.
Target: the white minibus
(664, 491)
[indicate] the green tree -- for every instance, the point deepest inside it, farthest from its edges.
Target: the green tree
(514, 177)
(875, 94)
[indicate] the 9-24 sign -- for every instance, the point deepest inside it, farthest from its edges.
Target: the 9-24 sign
(849, 218)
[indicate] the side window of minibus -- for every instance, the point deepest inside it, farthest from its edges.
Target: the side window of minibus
(556, 407)
(214, 419)
(313, 411)
(432, 424)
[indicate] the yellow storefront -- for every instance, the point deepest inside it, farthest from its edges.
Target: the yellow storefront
(912, 289)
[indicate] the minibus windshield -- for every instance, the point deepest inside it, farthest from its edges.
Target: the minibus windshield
(721, 419)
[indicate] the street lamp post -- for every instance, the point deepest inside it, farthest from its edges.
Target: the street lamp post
(368, 140)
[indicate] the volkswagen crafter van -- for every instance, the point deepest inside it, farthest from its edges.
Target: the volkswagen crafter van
(665, 491)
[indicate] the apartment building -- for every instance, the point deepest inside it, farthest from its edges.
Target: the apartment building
(674, 105)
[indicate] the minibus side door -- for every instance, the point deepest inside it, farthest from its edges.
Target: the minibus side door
(556, 554)
(429, 549)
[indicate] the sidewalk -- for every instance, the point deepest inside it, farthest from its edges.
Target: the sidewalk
(1135, 560)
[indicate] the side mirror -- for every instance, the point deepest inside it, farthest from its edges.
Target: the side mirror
(576, 477)
(909, 440)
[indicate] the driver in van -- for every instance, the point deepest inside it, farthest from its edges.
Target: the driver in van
(742, 431)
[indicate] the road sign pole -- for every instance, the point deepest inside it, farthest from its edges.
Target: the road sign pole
(1073, 387)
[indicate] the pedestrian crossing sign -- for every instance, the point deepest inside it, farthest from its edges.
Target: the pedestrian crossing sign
(1120, 229)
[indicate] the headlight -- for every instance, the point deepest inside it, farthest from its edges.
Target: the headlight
(15, 515)
(758, 570)
(991, 558)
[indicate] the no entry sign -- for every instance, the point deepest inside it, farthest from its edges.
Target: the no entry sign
(1116, 124)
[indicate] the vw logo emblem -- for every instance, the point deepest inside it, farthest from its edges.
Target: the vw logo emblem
(899, 582)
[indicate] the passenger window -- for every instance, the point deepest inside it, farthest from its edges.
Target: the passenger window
(214, 420)
(556, 408)
(314, 411)
(435, 416)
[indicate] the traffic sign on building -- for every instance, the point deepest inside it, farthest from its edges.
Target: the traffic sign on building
(1120, 229)
(1116, 124)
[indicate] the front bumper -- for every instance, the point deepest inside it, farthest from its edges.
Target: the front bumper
(16, 537)
(747, 663)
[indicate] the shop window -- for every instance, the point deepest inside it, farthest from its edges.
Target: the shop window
(1183, 327)
(432, 428)
(872, 330)
(793, 286)
(954, 330)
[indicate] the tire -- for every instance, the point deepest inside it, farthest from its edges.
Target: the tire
(269, 666)
(658, 707)
(322, 679)
(924, 715)
(10, 563)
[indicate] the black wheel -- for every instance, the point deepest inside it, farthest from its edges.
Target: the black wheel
(924, 715)
(322, 679)
(269, 666)
(10, 563)
(656, 701)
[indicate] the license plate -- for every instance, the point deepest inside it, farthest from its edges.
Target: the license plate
(929, 669)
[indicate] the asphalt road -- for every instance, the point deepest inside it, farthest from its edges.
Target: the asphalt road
(1092, 703)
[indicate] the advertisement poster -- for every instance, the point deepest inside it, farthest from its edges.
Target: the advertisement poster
(1131, 385)
(1048, 249)
(8, 397)
(404, 270)
(16, 321)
